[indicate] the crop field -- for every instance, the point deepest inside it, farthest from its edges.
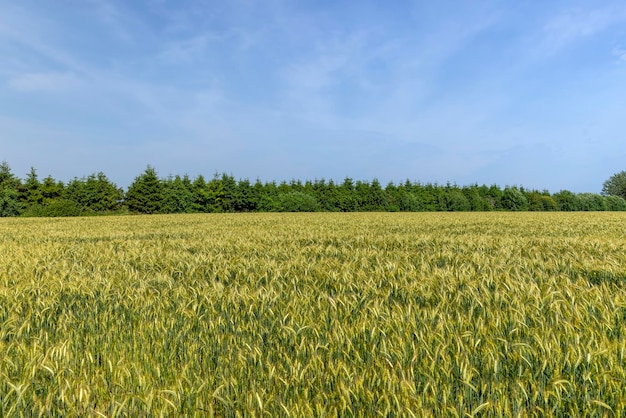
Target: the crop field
(380, 314)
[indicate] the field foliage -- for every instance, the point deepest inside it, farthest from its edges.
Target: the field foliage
(440, 314)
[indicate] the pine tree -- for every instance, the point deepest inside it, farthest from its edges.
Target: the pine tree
(145, 194)
(9, 205)
(178, 198)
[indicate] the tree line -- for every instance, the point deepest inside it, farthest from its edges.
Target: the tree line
(151, 194)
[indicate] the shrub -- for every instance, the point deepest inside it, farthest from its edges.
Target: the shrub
(513, 199)
(615, 203)
(56, 208)
(298, 202)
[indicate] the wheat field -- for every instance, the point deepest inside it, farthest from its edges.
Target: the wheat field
(380, 314)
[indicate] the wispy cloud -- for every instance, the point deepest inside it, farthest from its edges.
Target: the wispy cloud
(51, 82)
(188, 51)
(388, 75)
(620, 53)
(435, 91)
(36, 37)
(200, 47)
(569, 26)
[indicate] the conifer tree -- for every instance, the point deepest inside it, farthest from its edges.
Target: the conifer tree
(145, 194)
(9, 205)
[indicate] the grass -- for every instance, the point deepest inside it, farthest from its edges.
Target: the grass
(436, 314)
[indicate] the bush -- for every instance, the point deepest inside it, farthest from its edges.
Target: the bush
(538, 202)
(615, 203)
(456, 201)
(409, 202)
(298, 202)
(549, 205)
(56, 208)
(9, 205)
(592, 202)
(513, 199)
(567, 201)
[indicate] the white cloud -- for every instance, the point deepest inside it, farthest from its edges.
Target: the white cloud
(191, 50)
(620, 53)
(118, 20)
(51, 82)
(572, 25)
(36, 35)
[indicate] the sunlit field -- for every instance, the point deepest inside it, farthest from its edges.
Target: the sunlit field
(437, 314)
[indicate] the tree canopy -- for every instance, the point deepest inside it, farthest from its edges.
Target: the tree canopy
(150, 194)
(615, 185)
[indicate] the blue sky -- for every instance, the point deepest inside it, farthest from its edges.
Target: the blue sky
(508, 92)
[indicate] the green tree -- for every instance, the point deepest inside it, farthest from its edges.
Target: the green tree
(200, 195)
(298, 202)
(454, 200)
(549, 204)
(177, 196)
(409, 202)
(229, 184)
(51, 199)
(615, 185)
(216, 194)
(245, 199)
(541, 202)
(430, 195)
(102, 195)
(284, 187)
(513, 199)
(146, 193)
(223, 190)
(7, 179)
(493, 195)
(9, 204)
(615, 203)
(393, 194)
(378, 200)
(268, 197)
(591, 202)
(346, 198)
(566, 201)
(31, 194)
(476, 201)
(406, 200)
(51, 190)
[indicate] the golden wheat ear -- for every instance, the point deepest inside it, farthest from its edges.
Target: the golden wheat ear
(379, 314)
